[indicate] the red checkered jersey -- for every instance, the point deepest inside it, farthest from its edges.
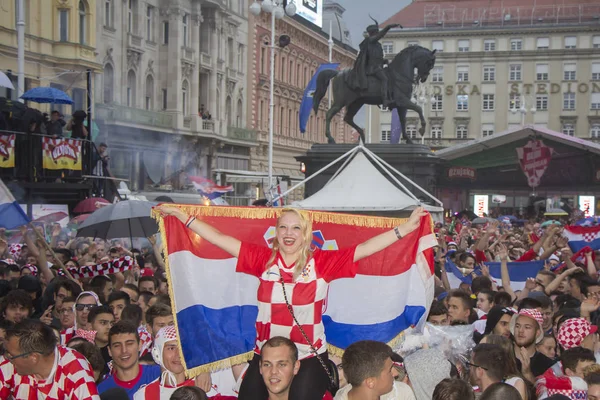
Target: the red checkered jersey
(145, 340)
(7, 378)
(155, 391)
(307, 294)
(66, 335)
(71, 378)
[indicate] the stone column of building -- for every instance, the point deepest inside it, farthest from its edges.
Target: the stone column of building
(195, 74)
(212, 103)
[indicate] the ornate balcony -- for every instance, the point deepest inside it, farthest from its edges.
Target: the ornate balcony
(119, 113)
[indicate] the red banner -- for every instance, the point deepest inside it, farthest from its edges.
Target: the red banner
(534, 159)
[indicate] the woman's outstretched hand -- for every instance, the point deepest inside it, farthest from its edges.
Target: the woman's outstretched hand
(174, 211)
(413, 221)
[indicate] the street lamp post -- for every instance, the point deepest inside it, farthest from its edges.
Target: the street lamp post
(523, 110)
(275, 8)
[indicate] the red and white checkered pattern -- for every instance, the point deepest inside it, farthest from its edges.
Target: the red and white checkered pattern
(549, 384)
(32, 268)
(573, 331)
(66, 335)
(15, 250)
(155, 391)
(306, 295)
(145, 340)
(589, 237)
(105, 268)
(71, 378)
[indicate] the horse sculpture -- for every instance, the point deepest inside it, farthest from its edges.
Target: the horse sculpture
(401, 76)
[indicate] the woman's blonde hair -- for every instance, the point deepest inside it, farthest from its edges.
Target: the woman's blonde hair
(307, 235)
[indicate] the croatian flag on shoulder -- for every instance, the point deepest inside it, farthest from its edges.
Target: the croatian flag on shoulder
(208, 188)
(11, 213)
(518, 271)
(582, 236)
(216, 308)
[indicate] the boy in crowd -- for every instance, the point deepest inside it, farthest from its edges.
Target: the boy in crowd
(117, 301)
(159, 316)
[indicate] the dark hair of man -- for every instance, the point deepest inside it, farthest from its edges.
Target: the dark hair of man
(69, 286)
(66, 253)
(570, 358)
(502, 299)
(364, 359)
(34, 337)
(500, 391)
(119, 295)
(98, 283)
(95, 311)
(463, 257)
(132, 313)
(14, 268)
(547, 273)
(480, 283)
(529, 303)
(545, 301)
(121, 328)
(593, 378)
(492, 358)
(145, 296)
(3, 270)
(17, 297)
(69, 299)
(163, 299)
(453, 389)
(278, 341)
(149, 279)
(490, 294)
(74, 340)
(139, 259)
(567, 301)
(91, 353)
(463, 296)
(189, 393)
(157, 310)
(132, 287)
(585, 284)
(437, 308)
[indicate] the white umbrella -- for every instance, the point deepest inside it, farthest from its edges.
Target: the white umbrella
(5, 81)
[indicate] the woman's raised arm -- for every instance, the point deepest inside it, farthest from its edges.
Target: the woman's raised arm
(207, 232)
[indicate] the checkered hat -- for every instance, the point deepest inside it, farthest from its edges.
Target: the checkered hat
(15, 250)
(534, 315)
(573, 331)
(32, 268)
(164, 335)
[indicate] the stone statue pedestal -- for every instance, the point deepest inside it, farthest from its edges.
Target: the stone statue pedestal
(415, 161)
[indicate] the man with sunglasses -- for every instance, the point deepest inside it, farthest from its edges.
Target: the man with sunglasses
(38, 368)
(85, 302)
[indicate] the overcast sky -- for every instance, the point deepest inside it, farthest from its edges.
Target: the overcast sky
(357, 14)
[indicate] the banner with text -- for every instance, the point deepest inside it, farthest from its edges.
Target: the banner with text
(534, 159)
(7, 151)
(61, 153)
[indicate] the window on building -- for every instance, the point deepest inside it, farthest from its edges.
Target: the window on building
(437, 74)
(461, 132)
(462, 73)
(131, 88)
(568, 129)
(464, 45)
(543, 43)
(231, 54)
(386, 136)
(595, 101)
(570, 71)
(596, 42)
(515, 72)
(437, 104)
(595, 131)
(108, 83)
(514, 102)
(388, 48)
(570, 42)
(541, 72)
(516, 44)
(165, 99)
(149, 93)
(240, 61)
(489, 45)
(165, 32)
(488, 102)
(437, 45)
(568, 101)
(185, 32)
(240, 112)
(63, 25)
(487, 130)
(185, 97)
(411, 131)
(412, 43)
(462, 102)
(131, 9)
(108, 13)
(150, 23)
(596, 71)
(436, 131)
(541, 102)
(82, 22)
(489, 73)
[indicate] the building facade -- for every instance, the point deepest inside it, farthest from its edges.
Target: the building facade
(173, 89)
(499, 67)
(295, 65)
(60, 45)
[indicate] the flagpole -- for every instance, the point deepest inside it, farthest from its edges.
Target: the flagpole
(20, 48)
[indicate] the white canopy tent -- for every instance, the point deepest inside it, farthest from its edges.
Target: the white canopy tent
(358, 186)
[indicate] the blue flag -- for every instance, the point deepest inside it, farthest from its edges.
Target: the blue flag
(307, 99)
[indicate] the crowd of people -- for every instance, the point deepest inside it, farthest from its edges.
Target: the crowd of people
(69, 329)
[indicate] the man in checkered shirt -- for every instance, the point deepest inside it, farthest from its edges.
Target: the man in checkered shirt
(36, 368)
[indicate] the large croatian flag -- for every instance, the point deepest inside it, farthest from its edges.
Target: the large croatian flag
(208, 188)
(216, 308)
(582, 236)
(11, 213)
(518, 271)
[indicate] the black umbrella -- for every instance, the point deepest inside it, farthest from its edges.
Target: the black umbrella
(129, 218)
(469, 214)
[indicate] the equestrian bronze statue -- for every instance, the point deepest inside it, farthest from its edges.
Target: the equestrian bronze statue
(369, 82)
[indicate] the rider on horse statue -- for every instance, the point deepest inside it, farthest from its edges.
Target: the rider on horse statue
(370, 62)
